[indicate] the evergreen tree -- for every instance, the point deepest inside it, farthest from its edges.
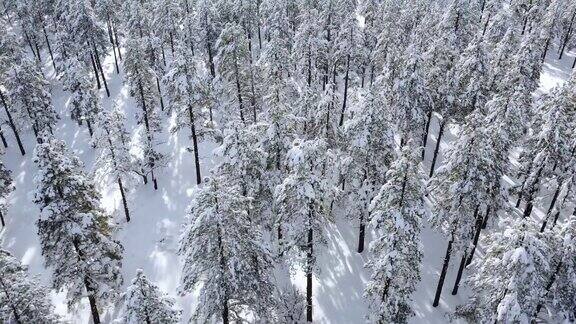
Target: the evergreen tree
(142, 87)
(243, 163)
(302, 211)
(396, 214)
(30, 92)
(559, 295)
(224, 255)
(145, 303)
(84, 102)
(466, 184)
(111, 139)
(234, 71)
(190, 93)
(370, 144)
(10, 51)
(6, 188)
(508, 281)
(75, 232)
(22, 298)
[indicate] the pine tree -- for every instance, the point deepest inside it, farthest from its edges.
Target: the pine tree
(10, 51)
(84, 101)
(30, 92)
(75, 232)
(145, 303)
(371, 145)
(243, 163)
(114, 160)
(302, 211)
(224, 255)
(190, 93)
(508, 281)
(87, 34)
(233, 69)
(22, 298)
(396, 214)
(6, 188)
(468, 182)
(559, 295)
(142, 87)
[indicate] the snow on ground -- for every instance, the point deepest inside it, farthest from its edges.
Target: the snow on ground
(150, 239)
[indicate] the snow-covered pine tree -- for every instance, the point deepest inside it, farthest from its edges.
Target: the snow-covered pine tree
(10, 52)
(243, 163)
(111, 138)
(30, 92)
(291, 305)
(396, 253)
(22, 298)
(6, 188)
(84, 101)
(223, 253)
(141, 80)
(189, 91)
(559, 296)
(549, 154)
(412, 100)
(302, 213)
(88, 36)
(508, 280)
(471, 80)
(467, 183)
(207, 28)
(370, 145)
(146, 303)
(75, 232)
(233, 69)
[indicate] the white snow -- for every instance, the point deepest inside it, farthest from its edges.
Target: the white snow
(150, 238)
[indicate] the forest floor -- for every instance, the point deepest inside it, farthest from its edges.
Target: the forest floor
(150, 238)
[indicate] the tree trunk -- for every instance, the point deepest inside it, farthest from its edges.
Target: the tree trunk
(124, 201)
(38, 50)
(309, 277)
(426, 131)
(2, 219)
(95, 72)
(567, 36)
(49, 49)
(160, 94)
(532, 191)
(195, 146)
(12, 125)
(443, 274)
(345, 99)
(548, 286)
(574, 63)
(92, 300)
(111, 38)
(239, 92)
(552, 203)
(437, 147)
(3, 138)
(545, 49)
(97, 56)
(210, 58)
(460, 272)
(89, 125)
(362, 233)
(117, 42)
(154, 181)
(480, 224)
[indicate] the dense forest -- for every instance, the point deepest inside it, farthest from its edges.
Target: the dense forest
(316, 135)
